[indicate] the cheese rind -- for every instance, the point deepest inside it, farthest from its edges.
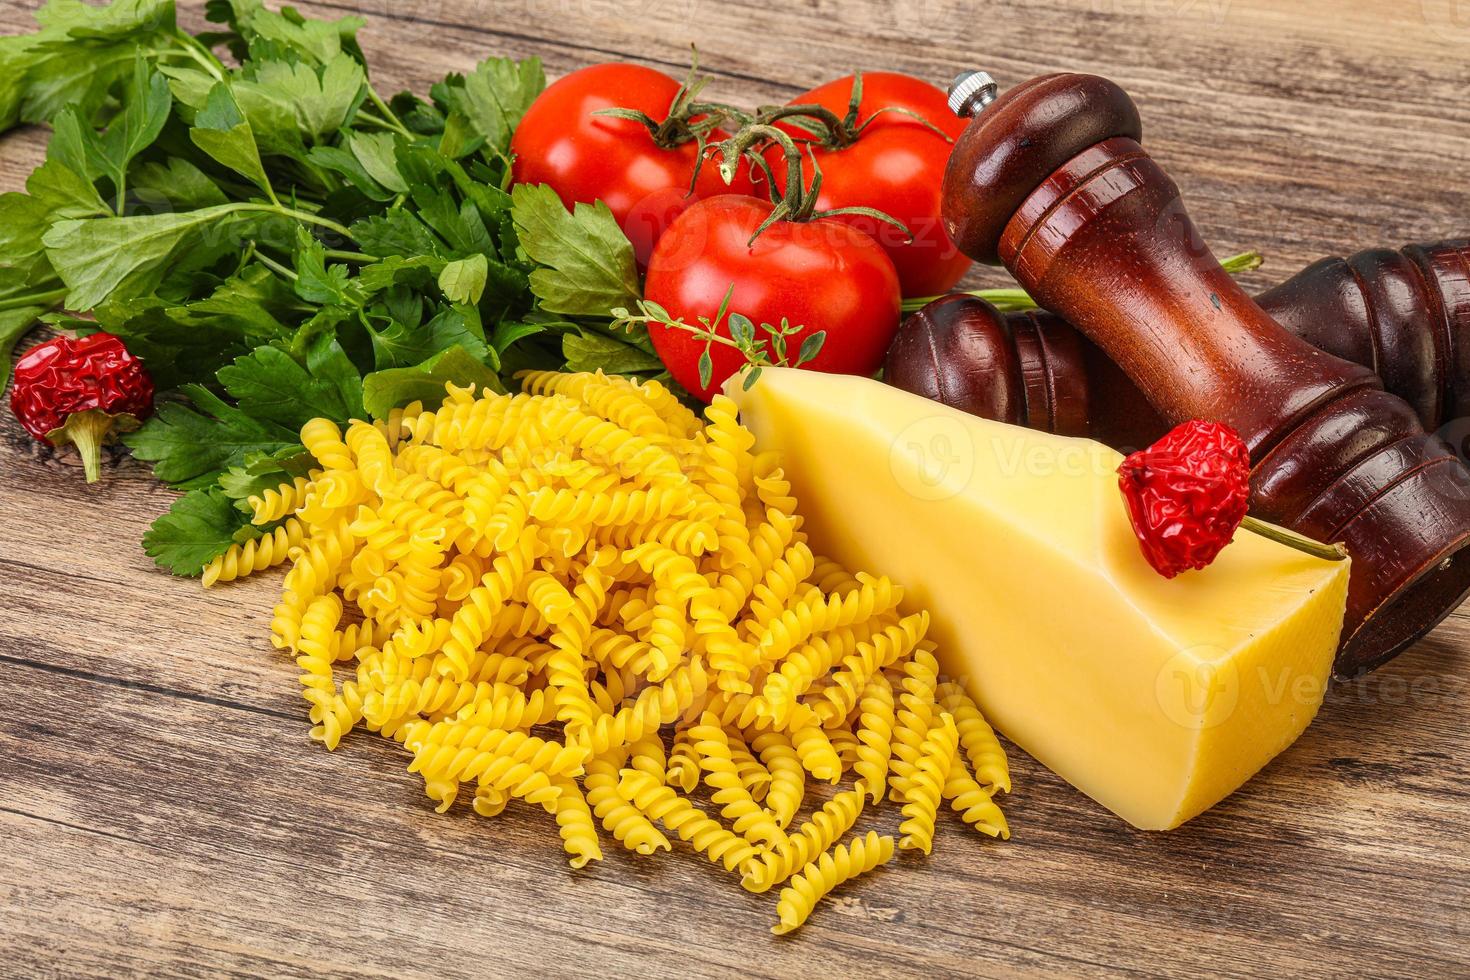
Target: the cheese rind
(1156, 697)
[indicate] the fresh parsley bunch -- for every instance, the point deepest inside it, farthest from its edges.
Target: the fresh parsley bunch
(279, 242)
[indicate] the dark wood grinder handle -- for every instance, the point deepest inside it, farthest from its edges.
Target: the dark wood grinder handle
(1051, 181)
(1403, 314)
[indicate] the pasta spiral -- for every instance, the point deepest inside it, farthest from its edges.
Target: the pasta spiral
(270, 549)
(844, 688)
(656, 706)
(814, 615)
(926, 787)
(315, 654)
(818, 834)
(685, 819)
(747, 817)
(611, 400)
(623, 820)
(522, 765)
(647, 755)
(819, 878)
(987, 758)
(575, 824)
(974, 803)
(270, 506)
(788, 778)
(683, 765)
(875, 737)
(915, 716)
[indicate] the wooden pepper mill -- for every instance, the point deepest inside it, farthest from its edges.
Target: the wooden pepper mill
(1051, 181)
(1403, 314)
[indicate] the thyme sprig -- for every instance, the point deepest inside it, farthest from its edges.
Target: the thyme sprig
(768, 345)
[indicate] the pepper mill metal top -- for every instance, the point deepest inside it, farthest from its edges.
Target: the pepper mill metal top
(970, 92)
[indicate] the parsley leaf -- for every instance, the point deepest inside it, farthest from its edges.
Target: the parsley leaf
(318, 100)
(14, 324)
(102, 257)
(463, 280)
(183, 342)
(591, 351)
(382, 391)
(377, 153)
(270, 385)
(222, 131)
(16, 57)
(318, 282)
(199, 527)
(260, 473)
(492, 99)
(287, 32)
(395, 233)
(189, 448)
(179, 183)
(145, 109)
(587, 263)
(84, 52)
(395, 344)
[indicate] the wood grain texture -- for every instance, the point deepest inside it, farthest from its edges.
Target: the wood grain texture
(162, 811)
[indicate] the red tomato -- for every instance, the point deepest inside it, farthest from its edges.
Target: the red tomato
(820, 275)
(896, 166)
(599, 158)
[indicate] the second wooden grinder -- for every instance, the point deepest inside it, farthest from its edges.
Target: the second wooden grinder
(1051, 181)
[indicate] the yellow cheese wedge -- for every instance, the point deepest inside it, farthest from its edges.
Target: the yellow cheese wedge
(1156, 697)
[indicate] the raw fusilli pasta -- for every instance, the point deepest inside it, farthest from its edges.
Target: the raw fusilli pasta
(270, 549)
(583, 598)
(925, 787)
(817, 880)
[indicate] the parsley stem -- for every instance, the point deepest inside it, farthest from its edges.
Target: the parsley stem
(49, 298)
(1012, 299)
(333, 253)
(1007, 300)
(273, 265)
(370, 117)
(303, 216)
(201, 54)
(390, 118)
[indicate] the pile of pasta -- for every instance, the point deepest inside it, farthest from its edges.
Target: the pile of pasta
(584, 597)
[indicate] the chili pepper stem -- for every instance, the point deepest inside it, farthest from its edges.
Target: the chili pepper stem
(88, 431)
(1327, 552)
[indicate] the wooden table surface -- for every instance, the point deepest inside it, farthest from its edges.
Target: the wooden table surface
(162, 811)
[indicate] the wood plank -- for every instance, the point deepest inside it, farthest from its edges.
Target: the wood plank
(165, 813)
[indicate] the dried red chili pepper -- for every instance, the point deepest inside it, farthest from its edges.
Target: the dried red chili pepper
(81, 392)
(1187, 493)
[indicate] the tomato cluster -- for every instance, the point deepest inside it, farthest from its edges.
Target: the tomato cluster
(708, 245)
